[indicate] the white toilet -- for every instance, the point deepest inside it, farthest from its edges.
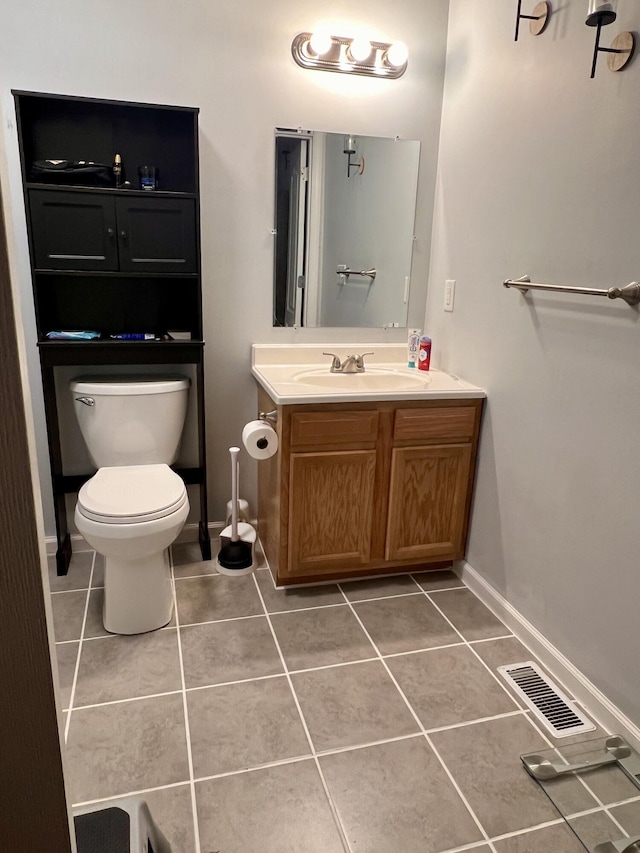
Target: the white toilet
(133, 508)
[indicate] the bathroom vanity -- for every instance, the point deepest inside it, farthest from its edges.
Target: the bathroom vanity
(374, 472)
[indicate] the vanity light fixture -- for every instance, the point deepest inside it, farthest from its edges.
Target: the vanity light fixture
(538, 19)
(622, 47)
(350, 150)
(323, 52)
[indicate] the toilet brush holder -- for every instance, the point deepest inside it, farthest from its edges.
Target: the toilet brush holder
(237, 541)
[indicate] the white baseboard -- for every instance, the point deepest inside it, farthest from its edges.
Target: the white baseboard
(596, 704)
(189, 533)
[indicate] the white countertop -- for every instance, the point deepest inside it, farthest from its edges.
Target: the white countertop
(276, 367)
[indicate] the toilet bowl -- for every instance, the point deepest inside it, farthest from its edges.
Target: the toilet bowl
(131, 515)
(133, 508)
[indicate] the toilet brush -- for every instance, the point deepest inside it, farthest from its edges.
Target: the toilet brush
(237, 542)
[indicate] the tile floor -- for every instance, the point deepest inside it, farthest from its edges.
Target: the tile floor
(365, 716)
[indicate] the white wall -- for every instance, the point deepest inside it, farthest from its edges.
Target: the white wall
(167, 53)
(369, 223)
(539, 174)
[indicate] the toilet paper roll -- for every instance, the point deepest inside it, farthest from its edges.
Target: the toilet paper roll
(260, 439)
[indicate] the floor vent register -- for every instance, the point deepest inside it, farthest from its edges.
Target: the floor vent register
(549, 704)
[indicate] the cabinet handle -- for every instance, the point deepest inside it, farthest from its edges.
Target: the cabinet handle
(111, 233)
(123, 234)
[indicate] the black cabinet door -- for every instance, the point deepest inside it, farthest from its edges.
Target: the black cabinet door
(157, 234)
(73, 231)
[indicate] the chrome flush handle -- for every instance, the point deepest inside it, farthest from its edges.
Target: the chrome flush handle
(88, 401)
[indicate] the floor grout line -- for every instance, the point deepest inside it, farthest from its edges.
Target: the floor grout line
(332, 805)
(492, 639)
(194, 805)
(268, 765)
(77, 666)
(221, 621)
(185, 782)
(506, 835)
(452, 726)
(78, 589)
(422, 729)
(422, 651)
(126, 700)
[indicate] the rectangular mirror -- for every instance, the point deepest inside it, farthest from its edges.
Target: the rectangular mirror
(344, 229)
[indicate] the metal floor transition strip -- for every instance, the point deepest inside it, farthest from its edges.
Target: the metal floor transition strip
(549, 704)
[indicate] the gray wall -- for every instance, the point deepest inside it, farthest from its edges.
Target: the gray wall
(539, 174)
(167, 53)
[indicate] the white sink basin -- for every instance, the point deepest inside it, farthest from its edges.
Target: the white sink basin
(299, 373)
(373, 379)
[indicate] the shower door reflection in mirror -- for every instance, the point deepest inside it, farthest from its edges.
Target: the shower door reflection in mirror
(344, 223)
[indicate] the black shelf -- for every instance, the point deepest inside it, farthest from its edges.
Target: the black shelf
(108, 259)
(194, 276)
(119, 191)
(95, 344)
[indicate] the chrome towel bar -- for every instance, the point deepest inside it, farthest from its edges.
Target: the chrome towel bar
(630, 293)
(344, 272)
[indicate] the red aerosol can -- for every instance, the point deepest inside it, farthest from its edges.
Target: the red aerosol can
(424, 353)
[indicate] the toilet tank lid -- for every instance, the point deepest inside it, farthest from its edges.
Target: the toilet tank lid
(123, 386)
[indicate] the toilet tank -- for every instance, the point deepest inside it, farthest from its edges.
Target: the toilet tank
(131, 420)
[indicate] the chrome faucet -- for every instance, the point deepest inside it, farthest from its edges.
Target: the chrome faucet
(351, 364)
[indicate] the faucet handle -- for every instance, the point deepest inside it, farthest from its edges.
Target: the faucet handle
(360, 359)
(335, 364)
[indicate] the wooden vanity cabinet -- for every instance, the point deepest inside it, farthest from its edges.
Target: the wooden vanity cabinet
(367, 488)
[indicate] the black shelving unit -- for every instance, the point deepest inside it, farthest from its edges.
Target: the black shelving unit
(113, 260)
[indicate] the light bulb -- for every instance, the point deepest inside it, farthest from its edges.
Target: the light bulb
(320, 43)
(359, 49)
(397, 54)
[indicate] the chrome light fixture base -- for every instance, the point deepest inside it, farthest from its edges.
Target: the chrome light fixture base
(338, 58)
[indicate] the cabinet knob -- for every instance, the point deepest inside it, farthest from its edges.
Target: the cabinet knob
(123, 234)
(111, 233)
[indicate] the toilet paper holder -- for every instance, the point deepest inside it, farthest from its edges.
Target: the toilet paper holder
(269, 416)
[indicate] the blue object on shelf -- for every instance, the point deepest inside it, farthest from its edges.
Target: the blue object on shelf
(73, 336)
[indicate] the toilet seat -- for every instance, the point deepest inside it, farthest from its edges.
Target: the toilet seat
(131, 494)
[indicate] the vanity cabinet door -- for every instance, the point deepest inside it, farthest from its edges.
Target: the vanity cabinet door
(73, 231)
(427, 501)
(330, 510)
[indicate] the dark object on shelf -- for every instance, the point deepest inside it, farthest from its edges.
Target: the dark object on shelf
(71, 173)
(148, 177)
(117, 171)
(114, 259)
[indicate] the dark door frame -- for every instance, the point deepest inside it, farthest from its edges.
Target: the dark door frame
(33, 807)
